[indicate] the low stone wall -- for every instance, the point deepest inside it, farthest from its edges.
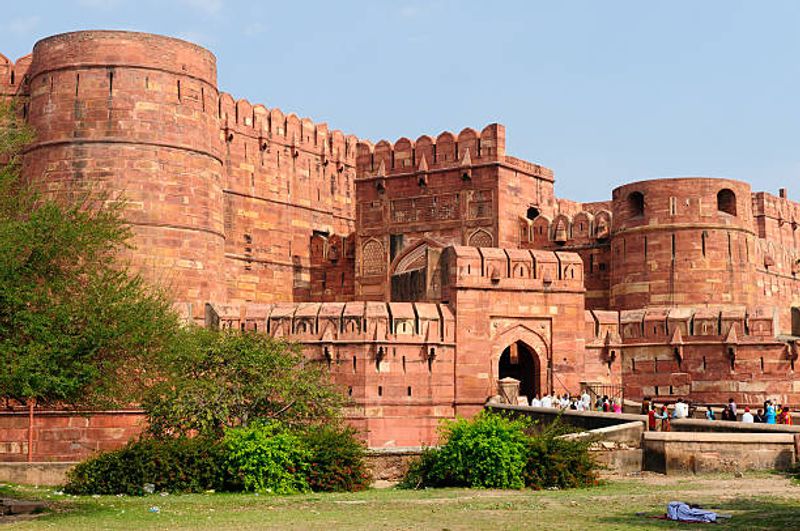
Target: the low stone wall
(40, 474)
(727, 426)
(66, 435)
(390, 464)
(691, 452)
(587, 420)
(620, 461)
(629, 433)
(385, 465)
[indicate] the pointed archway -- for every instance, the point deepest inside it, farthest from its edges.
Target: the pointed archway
(520, 362)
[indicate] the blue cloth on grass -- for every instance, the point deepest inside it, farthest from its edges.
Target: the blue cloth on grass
(683, 513)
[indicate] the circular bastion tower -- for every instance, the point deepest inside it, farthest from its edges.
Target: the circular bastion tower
(682, 242)
(135, 115)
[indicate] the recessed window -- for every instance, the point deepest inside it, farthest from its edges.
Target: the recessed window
(636, 204)
(532, 213)
(726, 201)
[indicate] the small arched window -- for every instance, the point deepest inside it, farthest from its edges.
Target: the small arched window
(726, 201)
(636, 204)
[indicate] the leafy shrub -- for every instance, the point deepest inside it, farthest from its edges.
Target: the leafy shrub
(267, 458)
(337, 460)
(496, 452)
(558, 462)
(260, 457)
(174, 465)
(419, 473)
(488, 451)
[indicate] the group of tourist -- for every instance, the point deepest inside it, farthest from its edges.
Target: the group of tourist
(659, 416)
(772, 413)
(581, 402)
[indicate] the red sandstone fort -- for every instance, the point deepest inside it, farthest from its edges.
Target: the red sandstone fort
(420, 271)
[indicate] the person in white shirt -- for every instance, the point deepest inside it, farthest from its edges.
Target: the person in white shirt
(586, 400)
(547, 401)
(681, 410)
(536, 401)
(563, 402)
(747, 416)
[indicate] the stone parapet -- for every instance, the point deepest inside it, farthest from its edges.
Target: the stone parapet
(690, 453)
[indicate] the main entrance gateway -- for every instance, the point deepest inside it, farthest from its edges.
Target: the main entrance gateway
(520, 362)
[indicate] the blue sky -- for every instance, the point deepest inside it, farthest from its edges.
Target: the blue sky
(602, 92)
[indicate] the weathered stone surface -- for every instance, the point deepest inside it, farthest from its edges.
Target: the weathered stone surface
(419, 271)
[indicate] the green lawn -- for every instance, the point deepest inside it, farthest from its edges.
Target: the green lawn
(756, 501)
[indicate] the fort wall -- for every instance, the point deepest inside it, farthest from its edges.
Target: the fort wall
(422, 271)
(455, 190)
(681, 242)
(123, 114)
(224, 196)
(394, 361)
(285, 179)
(708, 354)
(531, 299)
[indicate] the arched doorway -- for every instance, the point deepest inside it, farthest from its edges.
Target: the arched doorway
(520, 362)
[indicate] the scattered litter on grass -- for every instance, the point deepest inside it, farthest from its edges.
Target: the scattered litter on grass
(149, 488)
(154, 509)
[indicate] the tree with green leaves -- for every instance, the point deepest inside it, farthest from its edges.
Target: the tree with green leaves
(223, 379)
(77, 326)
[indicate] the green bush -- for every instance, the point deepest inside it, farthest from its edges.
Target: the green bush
(174, 465)
(267, 458)
(337, 460)
(493, 451)
(260, 457)
(557, 462)
(419, 473)
(488, 451)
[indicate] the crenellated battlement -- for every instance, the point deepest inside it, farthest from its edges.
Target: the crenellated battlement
(512, 269)
(674, 325)
(14, 75)
(425, 154)
(273, 126)
(582, 228)
(780, 208)
(340, 322)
